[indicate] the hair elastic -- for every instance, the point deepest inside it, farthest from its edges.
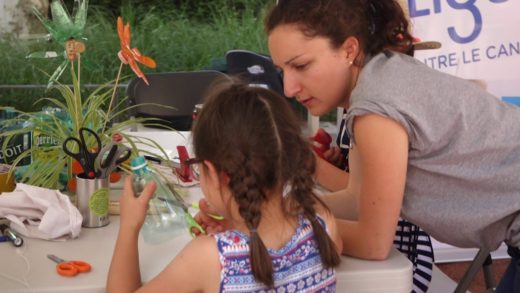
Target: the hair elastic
(373, 14)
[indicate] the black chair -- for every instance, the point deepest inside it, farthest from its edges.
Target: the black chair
(256, 69)
(181, 90)
(481, 261)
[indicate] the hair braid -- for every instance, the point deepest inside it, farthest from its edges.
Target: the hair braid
(250, 197)
(303, 193)
(258, 156)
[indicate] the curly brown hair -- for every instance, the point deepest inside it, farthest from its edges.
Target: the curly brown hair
(253, 135)
(377, 24)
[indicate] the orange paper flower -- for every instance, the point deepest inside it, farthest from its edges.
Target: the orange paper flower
(131, 55)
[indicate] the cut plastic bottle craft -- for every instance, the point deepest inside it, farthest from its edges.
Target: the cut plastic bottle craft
(65, 30)
(130, 55)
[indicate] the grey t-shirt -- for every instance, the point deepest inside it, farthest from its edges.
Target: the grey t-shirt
(463, 178)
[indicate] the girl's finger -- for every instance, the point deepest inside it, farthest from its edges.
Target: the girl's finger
(127, 187)
(148, 191)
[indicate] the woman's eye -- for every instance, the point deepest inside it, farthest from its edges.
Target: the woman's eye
(300, 66)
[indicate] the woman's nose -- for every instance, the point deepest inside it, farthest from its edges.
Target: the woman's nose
(291, 86)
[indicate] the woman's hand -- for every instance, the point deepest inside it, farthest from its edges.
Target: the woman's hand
(133, 209)
(333, 156)
(206, 218)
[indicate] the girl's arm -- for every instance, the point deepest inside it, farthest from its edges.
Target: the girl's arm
(379, 171)
(183, 274)
(124, 274)
(196, 268)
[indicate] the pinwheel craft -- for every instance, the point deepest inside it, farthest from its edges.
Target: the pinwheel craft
(131, 55)
(64, 30)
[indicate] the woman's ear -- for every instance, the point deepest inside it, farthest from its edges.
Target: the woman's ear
(350, 47)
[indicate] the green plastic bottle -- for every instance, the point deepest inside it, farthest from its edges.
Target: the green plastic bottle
(18, 143)
(165, 218)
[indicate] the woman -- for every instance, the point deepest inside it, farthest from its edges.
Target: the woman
(433, 148)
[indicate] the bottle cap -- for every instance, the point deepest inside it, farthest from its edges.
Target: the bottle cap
(138, 163)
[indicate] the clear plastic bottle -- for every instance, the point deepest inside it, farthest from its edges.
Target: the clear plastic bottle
(165, 219)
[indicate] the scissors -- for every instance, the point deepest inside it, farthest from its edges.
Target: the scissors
(184, 172)
(109, 157)
(188, 218)
(84, 156)
(217, 217)
(70, 268)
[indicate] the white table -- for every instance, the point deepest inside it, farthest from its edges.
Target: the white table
(95, 245)
(34, 272)
(27, 269)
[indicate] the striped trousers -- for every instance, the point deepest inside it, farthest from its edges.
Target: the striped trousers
(417, 246)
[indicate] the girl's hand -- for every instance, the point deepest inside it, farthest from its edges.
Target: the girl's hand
(133, 209)
(205, 217)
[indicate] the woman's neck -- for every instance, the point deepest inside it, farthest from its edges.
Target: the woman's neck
(356, 68)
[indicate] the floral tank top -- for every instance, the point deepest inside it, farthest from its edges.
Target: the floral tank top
(297, 266)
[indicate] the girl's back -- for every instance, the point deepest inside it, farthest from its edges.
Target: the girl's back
(297, 265)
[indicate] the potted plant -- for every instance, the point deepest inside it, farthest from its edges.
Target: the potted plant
(50, 166)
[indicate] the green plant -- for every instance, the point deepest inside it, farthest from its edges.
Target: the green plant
(192, 35)
(48, 159)
(50, 166)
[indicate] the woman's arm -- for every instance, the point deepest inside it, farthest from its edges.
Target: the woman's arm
(329, 176)
(344, 204)
(379, 169)
(332, 228)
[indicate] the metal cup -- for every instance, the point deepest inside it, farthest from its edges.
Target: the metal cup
(93, 196)
(7, 183)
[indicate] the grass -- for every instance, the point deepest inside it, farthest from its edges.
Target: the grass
(193, 36)
(179, 39)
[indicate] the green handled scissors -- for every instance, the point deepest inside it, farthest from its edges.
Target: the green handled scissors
(188, 218)
(195, 205)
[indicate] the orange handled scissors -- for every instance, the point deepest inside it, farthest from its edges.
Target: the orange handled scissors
(70, 268)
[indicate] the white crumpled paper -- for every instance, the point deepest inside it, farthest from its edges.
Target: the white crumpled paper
(40, 213)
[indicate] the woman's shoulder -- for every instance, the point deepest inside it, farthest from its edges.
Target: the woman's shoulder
(394, 69)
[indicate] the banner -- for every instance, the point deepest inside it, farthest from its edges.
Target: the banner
(480, 41)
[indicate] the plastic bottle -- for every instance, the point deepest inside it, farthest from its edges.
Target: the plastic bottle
(165, 219)
(46, 144)
(18, 143)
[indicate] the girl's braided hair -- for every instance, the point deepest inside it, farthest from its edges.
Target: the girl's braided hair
(253, 135)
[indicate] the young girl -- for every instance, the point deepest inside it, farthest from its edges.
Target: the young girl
(258, 176)
(433, 148)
